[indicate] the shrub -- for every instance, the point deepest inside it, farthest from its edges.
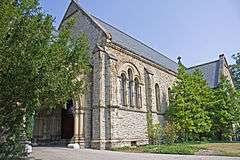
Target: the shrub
(158, 134)
(170, 133)
(155, 133)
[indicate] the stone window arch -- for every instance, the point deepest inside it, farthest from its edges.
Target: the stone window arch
(138, 98)
(131, 72)
(130, 87)
(158, 98)
(123, 90)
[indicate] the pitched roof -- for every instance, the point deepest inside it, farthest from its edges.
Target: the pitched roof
(131, 44)
(210, 72)
(137, 47)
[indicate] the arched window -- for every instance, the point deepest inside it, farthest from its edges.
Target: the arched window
(123, 89)
(169, 96)
(169, 93)
(137, 93)
(157, 94)
(130, 87)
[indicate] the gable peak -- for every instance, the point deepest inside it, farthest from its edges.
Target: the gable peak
(76, 1)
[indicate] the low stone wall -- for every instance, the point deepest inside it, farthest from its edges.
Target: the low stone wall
(128, 128)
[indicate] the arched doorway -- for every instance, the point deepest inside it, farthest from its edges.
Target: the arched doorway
(67, 127)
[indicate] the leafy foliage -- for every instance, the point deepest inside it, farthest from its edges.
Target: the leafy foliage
(200, 112)
(166, 134)
(155, 134)
(170, 133)
(225, 111)
(188, 102)
(235, 69)
(39, 67)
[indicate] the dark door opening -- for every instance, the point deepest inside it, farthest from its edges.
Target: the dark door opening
(67, 130)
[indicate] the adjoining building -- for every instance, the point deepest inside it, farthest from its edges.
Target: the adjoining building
(129, 79)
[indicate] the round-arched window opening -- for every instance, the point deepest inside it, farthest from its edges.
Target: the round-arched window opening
(157, 95)
(130, 87)
(123, 89)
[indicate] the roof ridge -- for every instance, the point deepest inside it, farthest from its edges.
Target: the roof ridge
(203, 64)
(134, 38)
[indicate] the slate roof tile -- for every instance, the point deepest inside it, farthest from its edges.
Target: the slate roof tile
(137, 47)
(210, 72)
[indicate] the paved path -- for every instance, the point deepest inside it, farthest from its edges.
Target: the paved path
(57, 153)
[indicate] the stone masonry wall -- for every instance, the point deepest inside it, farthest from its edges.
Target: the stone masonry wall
(111, 122)
(47, 127)
(104, 122)
(227, 73)
(84, 25)
(129, 124)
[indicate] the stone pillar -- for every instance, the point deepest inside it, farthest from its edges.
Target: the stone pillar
(148, 89)
(76, 122)
(112, 98)
(79, 137)
(99, 105)
(81, 128)
(114, 82)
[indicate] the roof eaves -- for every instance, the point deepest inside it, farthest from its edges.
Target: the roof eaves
(165, 68)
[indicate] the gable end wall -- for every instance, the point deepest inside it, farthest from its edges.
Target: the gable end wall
(84, 25)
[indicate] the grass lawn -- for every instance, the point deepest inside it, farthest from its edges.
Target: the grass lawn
(221, 149)
(224, 149)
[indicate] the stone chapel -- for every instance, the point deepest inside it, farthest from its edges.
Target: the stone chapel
(129, 79)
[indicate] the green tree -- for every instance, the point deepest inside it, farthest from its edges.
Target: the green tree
(188, 102)
(38, 67)
(235, 69)
(225, 110)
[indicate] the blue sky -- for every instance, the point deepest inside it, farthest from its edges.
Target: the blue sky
(196, 30)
